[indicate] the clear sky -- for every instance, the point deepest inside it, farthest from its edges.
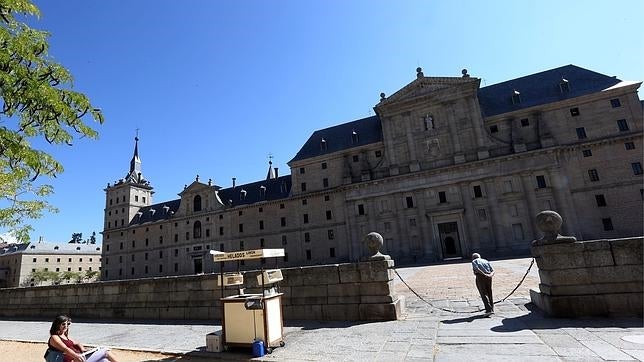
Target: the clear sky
(215, 86)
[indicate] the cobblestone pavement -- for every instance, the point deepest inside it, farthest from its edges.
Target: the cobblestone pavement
(516, 332)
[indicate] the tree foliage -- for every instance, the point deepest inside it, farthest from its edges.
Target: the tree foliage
(36, 102)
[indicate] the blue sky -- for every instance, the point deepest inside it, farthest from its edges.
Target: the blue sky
(215, 86)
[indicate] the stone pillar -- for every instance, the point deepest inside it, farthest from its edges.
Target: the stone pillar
(494, 216)
(477, 124)
(561, 193)
(471, 225)
(530, 199)
(453, 131)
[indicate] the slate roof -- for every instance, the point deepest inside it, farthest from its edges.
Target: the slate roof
(51, 248)
(542, 88)
(368, 130)
(278, 188)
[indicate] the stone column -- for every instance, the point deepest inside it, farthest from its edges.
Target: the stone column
(409, 134)
(498, 235)
(470, 227)
(530, 200)
(453, 131)
(477, 124)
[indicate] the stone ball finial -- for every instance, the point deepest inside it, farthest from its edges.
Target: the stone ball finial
(374, 242)
(382, 96)
(419, 72)
(549, 223)
(464, 72)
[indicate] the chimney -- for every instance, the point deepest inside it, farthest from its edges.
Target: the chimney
(40, 239)
(277, 174)
(234, 179)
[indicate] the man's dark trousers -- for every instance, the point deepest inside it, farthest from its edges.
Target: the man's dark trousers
(484, 285)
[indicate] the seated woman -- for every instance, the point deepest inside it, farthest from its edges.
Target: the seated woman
(73, 351)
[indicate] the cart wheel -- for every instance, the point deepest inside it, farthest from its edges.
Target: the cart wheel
(282, 344)
(269, 350)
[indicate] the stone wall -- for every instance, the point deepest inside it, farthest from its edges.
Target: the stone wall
(590, 278)
(354, 291)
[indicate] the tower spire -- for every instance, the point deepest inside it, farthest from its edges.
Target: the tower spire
(135, 174)
(271, 171)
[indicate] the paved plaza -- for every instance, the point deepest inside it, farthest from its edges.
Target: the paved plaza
(516, 332)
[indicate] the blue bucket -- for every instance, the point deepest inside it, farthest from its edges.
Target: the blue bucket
(258, 348)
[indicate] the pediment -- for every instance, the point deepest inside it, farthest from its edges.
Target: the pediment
(427, 86)
(196, 187)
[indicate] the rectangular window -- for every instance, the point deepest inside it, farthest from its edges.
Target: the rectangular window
(261, 243)
(305, 218)
(176, 238)
(307, 237)
(327, 197)
(160, 268)
(581, 133)
(160, 254)
(601, 200)
(593, 175)
(187, 235)
(207, 233)
(409, 201)
(281, 206)
(574, 112)
(176, 267)
(146, 256)
(622, 125)
(615, 103)
(284, 242)
(302, 171)
(241, 228)
(176, 252)
(308, 254)
(329, 234)
(442, 197)
(355, 158)
(360, 209)
(303, 186)
(283, 221)
(494, 128)
(541, 182)
(608, 224)
(329, 216)
(332, 252)
(304, 201)
(221, 230)
(587, 153)
(477, 191)
(637, 168)
(325, 182)
(261, 224)
(324, 165)
(629, 145)
(378, 154)
(241, 245)
(525, 122)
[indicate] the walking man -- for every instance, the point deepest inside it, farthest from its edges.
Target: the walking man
(484, 272)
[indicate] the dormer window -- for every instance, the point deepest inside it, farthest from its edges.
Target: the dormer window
(242, 194)
(32, 247)
(354, 137)
(78, 248)
(56, 247)
(564, 86)
(152, 211)
(516, 97)
(196, 203)
(166, 209)
(323, 145)
(262, 191)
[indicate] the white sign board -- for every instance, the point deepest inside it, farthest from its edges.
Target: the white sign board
(247, 254)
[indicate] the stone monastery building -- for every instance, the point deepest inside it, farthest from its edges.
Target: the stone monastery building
(445, 168)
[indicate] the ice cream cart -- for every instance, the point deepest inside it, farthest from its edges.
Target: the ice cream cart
(246, 317)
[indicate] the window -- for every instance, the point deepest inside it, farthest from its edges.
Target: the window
(305, 218)
(494, 128)
(327, 198)
(240, 213)
(176, 238)
(329, 234)
(355, 158)
(136, 198)
(587, 153)
(187, 235)
(608, 224)
(261, 209)
(261, 224)
(120, 247)
(593, 175)
(581, 133)
(47, 260)
(525, 122)
(284, 241)
(196, 203)
(574, 112)
(307, 237)
(622, 125)
(304, 202)
(354, 137)
(241, 228)
(325, 182)
(196, 229)
(329, 216)
(207, 233)
(132, 257)
(241, 245)
(564, 86)
(360, 209)
(176, 252)
(281, 206)
(516, 97)
(629, 145)
(34, 260)
(601, 200)
(160, 254)
(541, 182)
(477, 191)
(285, 257)
(308, 254)
(261, 242)
(160, 268)
(332, 252)
(221, 230)
(283, 221)
(323, 165)
(302, 170)
(637, 168)
(378, 154)
(323, 145)
(409, 201)
(442, 197)
(615, 103)
(143, 199)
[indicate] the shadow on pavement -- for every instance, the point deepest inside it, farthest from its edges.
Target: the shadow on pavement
(464, 319)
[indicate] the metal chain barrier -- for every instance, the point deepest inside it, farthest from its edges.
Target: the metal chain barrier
(475, 311)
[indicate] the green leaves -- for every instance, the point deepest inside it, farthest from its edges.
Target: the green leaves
(36, 101)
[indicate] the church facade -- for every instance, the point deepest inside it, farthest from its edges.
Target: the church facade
(445, 168)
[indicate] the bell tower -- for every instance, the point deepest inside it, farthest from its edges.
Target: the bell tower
(124, 199)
